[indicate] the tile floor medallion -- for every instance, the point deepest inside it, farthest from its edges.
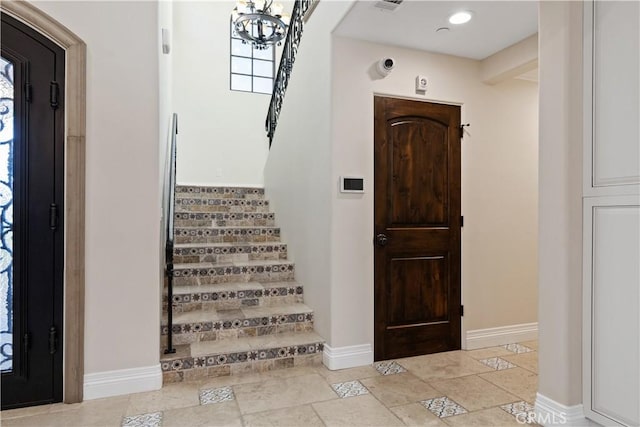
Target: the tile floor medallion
(349, 389)
(389, 367)
(497, 363)
(517, 348)
(523, 411)
(153, 419)
(216, 395)
(443, 407)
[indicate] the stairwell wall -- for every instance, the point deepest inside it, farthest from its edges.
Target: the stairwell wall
(297, 174)
(222, 136)
(122, 304)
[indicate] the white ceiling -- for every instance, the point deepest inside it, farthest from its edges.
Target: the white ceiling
(495, 25)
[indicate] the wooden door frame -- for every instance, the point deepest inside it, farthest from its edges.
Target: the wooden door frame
(74, 193)
(463, 340)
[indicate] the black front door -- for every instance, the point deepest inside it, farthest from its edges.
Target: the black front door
(31, 220)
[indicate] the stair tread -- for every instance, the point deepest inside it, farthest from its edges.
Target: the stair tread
(205, 348)
(226, 227)
(224, 244)
(251, 263)
(234, 286)
(241, 313)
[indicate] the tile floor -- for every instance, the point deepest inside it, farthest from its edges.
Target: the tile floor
(486, 387)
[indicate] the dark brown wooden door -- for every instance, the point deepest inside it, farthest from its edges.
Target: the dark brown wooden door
(417, 228)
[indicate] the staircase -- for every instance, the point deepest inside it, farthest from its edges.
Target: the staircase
(237, 307)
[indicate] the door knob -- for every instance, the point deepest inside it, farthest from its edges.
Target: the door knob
(382, 239)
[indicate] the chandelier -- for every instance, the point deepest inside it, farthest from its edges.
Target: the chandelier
(260, 22)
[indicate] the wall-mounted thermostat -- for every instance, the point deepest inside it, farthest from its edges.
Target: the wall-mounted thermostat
(351, 184)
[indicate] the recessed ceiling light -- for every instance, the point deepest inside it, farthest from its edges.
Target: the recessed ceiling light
(460, 17)
(442, 30)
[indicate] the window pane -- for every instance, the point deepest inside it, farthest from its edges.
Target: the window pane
(240, 65)
(262, 85)
(6, 215)
(240, 82)
(240, 49)
(264, 54)
(263, 68)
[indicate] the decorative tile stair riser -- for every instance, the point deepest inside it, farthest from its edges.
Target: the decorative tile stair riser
(236, 306)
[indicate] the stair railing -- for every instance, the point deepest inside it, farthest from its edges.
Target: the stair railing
(292, 41)
(170, 202)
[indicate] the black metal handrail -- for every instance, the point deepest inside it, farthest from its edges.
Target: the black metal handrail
(292, 41)
(170, 202)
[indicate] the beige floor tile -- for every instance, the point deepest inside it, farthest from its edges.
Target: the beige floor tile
(24, 412)
(486, 353)
(294, 417)
(494, 417)
(473, 393)
(517, 381)
(443, 365)
(99, 412)
(531, 344)
(282, 393)
(414, 414)
(215, 414)
(255, 377)
(399, 389)
(342, 375)
(171, 396)
(528, 361)
(356, 411)
(43, 420)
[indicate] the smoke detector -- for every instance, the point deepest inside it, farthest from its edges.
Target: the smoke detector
(388, 5)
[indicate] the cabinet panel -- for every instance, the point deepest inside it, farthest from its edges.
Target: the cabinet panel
(612, 67)
(612, 307)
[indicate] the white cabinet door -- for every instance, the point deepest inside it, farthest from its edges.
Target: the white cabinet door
(611, 200)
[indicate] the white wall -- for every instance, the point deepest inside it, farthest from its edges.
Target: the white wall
(298, 171)
(222, 137)
(165, 118)
(560, 204)
(122, 197)
(499, 185)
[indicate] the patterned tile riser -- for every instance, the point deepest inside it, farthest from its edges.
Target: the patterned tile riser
(241, 368)
(204, 191)
(227, 219)
(233, 324)
(238, 367)
(242, 238)
(271, 256)
(237, 252)
(234, 278)
(230, 334)
(236, 299)
(229, 223)
(222, 205)
(233, 304)
(222, 209)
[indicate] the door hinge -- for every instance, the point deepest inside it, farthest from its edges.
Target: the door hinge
(28, 92)
(53, 340)
(54, 93)
(461, 310)
(53, 216)
(461, 220)
(25, 343)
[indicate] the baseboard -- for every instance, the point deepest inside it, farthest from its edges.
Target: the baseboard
(123, 381)
(347, 357)
(481, 338)
(550, 413)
